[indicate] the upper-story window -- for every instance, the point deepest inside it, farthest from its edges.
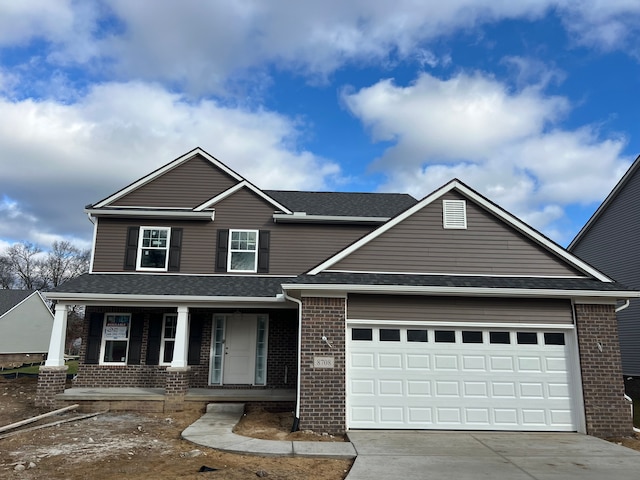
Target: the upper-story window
(243, 251)
(153, 248)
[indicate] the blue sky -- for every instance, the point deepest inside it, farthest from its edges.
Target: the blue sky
(533, 103)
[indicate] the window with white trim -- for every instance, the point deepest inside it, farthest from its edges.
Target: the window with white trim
(169, 323)
(454, 214)
(153, 248)
(115, 339)
(243, 251)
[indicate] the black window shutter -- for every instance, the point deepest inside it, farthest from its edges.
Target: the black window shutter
(135, 339)
(175, 247)
(131, 250)
(221, 250)
(94, 338)
(155, 337)
(263, 251)
(195, 340)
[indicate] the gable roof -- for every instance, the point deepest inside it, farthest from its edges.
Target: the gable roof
(164, 169)
(484, 203)
(635, 166)
(243, 184)
(10, 298)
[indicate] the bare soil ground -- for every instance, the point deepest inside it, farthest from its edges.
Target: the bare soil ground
(142, 446)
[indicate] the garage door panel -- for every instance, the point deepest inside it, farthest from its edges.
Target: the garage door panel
(437, 385)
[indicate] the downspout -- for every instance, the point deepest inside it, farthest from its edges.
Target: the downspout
(296, 419)
(623, 306)
(627, 397)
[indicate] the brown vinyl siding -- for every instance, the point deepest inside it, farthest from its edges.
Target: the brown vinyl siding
(295, 248)
(186, 186)
(420, 244)
(458, 309)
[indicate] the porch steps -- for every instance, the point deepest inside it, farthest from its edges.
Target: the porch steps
(227, 408)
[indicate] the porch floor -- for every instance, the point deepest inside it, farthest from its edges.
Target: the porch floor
(193, 394)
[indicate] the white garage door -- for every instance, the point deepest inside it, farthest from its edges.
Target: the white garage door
(466, 379)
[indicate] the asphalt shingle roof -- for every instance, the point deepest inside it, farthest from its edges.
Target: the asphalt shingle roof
(339, 278)
(10, 298)
(183, 285)
(344, 203)
(269, 287)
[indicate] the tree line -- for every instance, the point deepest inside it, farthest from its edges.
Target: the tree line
(26, 266)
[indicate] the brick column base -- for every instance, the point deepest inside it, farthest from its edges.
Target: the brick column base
(51, 381)
(176, 388)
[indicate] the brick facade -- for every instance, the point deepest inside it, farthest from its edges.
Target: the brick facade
(323, 390)
(607, 413)
(281, 355)
(176, 389)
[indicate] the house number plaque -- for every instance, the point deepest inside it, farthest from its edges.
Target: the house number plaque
(323, 362)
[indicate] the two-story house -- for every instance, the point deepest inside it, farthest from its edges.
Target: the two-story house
(357, 310)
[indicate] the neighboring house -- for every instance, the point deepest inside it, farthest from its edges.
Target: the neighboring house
(25, 327)
(373, 310)
(609, 241)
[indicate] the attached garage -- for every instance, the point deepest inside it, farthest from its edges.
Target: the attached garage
(503, 371)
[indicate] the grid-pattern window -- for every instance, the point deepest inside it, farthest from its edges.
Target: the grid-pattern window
(243, 251)
(169, 323)
(153, 248)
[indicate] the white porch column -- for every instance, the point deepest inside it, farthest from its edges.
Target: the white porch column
(55, 357)
(182, 339)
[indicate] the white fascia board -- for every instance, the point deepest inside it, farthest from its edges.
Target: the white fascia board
(157, 299)
(298, 218)
(161, 171)
(502, 214)
(458, 291)
(230, 191)
(147, 213)
(20, 303)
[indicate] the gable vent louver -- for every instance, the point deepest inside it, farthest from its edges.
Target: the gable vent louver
(454, 214)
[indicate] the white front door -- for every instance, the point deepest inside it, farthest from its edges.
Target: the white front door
(240, 350)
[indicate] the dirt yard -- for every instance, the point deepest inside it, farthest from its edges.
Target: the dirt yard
(142, 446)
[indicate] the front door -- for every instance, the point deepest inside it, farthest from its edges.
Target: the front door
(240, 350)
(238, 354)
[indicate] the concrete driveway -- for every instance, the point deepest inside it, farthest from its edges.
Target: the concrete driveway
(408, 455)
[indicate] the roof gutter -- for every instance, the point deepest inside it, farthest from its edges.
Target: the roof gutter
(471, 291)
(140, 213)
(128, 298)
(302, 217)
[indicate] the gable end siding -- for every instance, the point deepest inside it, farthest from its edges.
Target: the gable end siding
(420, 244)
(186, 186)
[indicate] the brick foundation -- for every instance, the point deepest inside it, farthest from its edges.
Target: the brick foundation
(606, 411)
(322, 400)
(51, 382)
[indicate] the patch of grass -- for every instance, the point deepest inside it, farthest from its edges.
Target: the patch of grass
(35, 369)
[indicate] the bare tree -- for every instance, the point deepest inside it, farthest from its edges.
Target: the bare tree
(26, 266)
(6, 272)
(63, 262)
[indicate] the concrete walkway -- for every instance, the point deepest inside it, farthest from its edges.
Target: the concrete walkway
(215, 430)
(410, 455)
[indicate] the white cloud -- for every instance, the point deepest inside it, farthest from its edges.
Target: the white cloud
(56, 158)
(504, 143)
